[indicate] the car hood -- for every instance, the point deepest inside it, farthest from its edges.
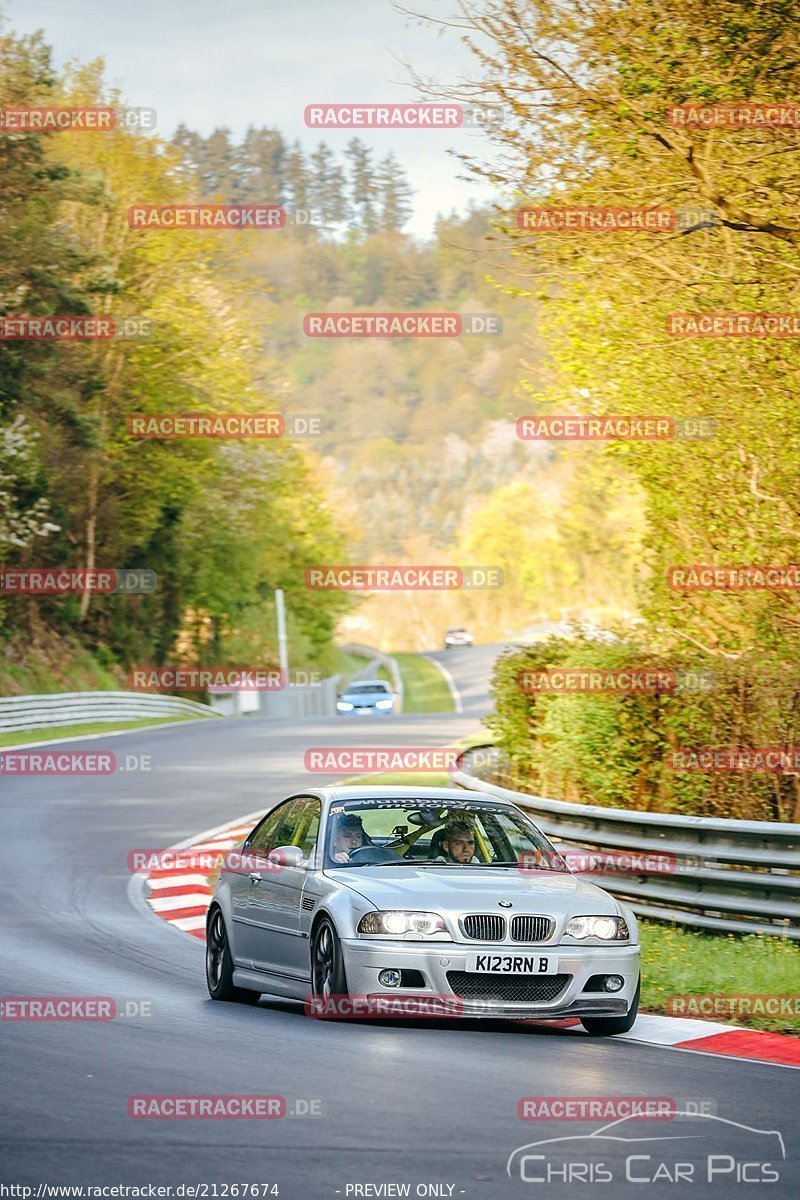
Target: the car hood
(473, 889)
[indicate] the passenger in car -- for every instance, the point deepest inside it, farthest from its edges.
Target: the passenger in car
(347, 836)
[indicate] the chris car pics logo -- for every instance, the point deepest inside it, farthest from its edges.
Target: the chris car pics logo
(705, 1148)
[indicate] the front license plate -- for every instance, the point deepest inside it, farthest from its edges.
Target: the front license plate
(513, 964)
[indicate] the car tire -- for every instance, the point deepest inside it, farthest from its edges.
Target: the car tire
(328, 976)
(608, 1026)
(219, 964)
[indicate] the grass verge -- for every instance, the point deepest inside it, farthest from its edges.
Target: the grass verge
(682, 962)
(425, 689)
(24, 736)
(401, 778)
(350, 665)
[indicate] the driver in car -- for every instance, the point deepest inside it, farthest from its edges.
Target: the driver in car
(347, 837)
(458, 843)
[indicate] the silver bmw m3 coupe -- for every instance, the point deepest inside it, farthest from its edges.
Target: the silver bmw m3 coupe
(443, 895)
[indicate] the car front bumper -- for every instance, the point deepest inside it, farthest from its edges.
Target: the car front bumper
(365, 959)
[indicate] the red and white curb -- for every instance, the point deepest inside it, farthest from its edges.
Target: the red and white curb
(706, 1037)
(182, 897)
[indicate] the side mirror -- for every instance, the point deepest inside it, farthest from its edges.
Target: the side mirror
(287, 856)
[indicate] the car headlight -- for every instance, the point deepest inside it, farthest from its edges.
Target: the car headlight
(384, 703)
(401, 924)
(343, 706)
(607, 929)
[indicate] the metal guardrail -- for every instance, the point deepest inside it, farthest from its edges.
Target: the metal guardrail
(721, 875)
(313, 700)
(79, 708)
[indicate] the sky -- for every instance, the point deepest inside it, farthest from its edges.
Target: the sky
(261, 62)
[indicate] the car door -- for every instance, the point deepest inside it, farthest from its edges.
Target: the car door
(246, 879)
(280, 946)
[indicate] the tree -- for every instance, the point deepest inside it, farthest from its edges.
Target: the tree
(328, 185)
(363, 187)
(216, 163)
(260, 167)
(395, 195)
(298, 178)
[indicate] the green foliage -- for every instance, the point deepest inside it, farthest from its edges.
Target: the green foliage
(616, 749)
(586, 94)
(682, 962)
(221, 524)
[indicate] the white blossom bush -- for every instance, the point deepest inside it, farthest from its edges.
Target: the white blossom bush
(20, 525)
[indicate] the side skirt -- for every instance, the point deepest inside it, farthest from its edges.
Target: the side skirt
(276, 985)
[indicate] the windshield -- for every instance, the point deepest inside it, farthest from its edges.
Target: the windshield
(364, 689)
(391, 833)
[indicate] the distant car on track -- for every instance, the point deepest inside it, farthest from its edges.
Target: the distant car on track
(364, 697)
(398, 891)
(457, 637)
